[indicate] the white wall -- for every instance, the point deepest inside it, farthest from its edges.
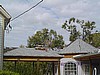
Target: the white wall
(1, 42)
(65, 60)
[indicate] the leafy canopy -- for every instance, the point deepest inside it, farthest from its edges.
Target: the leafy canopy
(46, 38)
(72, 26)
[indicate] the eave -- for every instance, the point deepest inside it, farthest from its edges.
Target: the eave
(87, 57)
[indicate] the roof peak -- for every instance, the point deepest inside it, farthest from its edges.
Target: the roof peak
(79, 46)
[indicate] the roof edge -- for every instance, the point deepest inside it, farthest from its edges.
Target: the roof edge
(5, 13)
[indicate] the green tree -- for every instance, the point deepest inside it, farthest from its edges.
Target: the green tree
(57, 42)
(70, 26)
(21, 46)
(87, 27)
(46, 38)
(95, 39)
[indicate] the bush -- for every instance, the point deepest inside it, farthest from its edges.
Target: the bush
(7, 73)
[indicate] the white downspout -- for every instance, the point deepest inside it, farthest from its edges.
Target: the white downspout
(95, 71)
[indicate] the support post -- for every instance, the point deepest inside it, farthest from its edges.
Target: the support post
(38, 66)
(59, 67)
(53, 68)
(15, 66)
(33, 66)
(90, 67)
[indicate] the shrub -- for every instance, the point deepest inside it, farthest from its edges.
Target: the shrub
(7, 73)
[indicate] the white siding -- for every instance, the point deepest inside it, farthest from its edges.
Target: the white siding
(1, 42)
(4, 19)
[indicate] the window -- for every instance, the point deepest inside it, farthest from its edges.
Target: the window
(70, 68)
(86, 69)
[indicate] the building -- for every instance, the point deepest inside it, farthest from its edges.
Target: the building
(93, 64)
(33, 55)
(71, 66)
(69, 61)
(4, 20)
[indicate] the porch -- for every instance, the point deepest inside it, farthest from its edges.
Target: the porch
(36, 57)
(93, 60)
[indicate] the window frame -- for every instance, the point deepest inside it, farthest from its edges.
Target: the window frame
(73, 63)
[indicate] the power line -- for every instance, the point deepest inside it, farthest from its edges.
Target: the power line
(27, 10)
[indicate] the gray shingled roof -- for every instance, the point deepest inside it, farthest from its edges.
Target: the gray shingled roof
(31, 52)
(78, 46)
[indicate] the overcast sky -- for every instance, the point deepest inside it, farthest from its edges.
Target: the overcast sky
(49, 14)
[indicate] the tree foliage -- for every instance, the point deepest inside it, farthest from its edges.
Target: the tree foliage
(87, 27)
(96, 39)
(46, 38)
(27, 68)
(3, 72)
